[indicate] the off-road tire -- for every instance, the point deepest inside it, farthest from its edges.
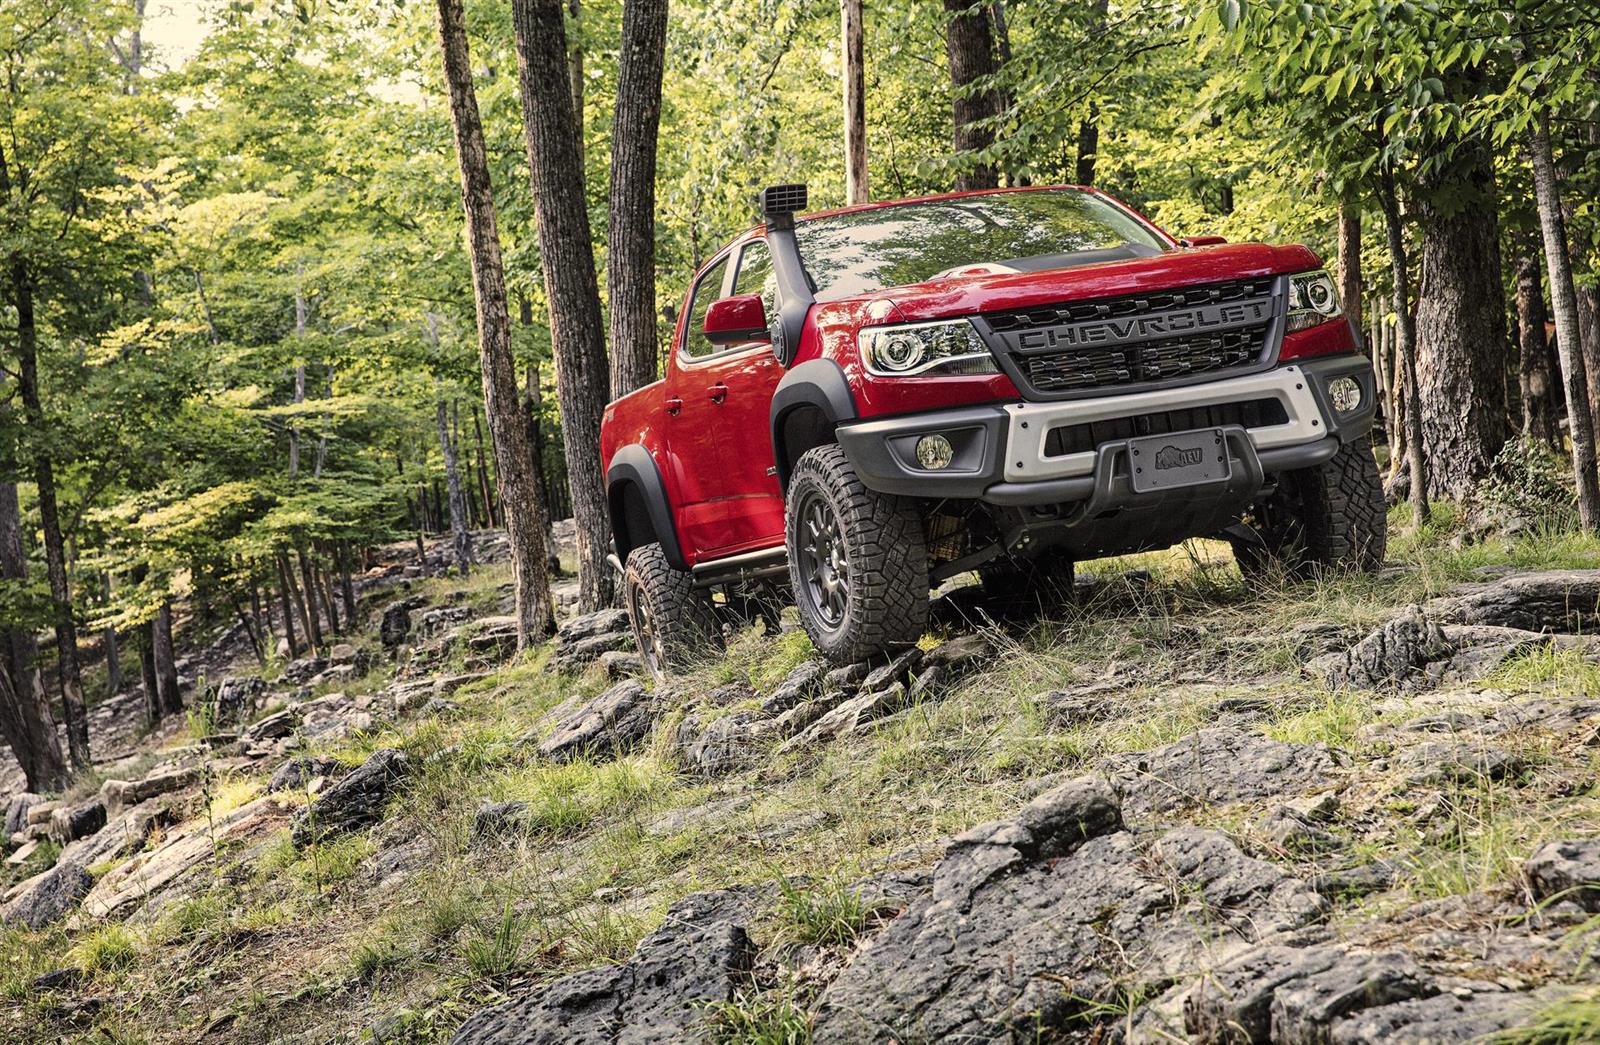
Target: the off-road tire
(673, 621)
(884, 604)
(1329, 517)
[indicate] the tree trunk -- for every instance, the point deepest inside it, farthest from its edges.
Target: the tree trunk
(1564, 303)
(631, 237)
(520, 502)
(108, 647)
(969, 50)
(1406, 348)
(567, 258)
(322, 432)
(855, 101)
(490, 514)
(1534, 378)
(147, 673)
(1089, 126)
(25, 715)
(347, 588)
(299, 397)
(166, 661)
(460, 538)
(55, 554)
(1461, 332)
(286, 578)
(286, 599)
(308, 591)
(1589, 338)
(1350, 262)
(575, 79)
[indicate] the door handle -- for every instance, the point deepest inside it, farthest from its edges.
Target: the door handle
(718, 392)
(674, 404)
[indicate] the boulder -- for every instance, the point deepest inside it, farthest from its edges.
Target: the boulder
(620, 664)
(300, 770)
(436, 622)
(17, 811)
(964, 654)
(275, 726)
(356, 801)
(1214, 765)
(303, 670)
(1392, 655)
(571, 655)
(342, 653)
(1548, 601)
(848, 716)
(75, 821)
(1568, 869)
(120, 794)
(725, 744)
(701, 954)
(605, 726)
(395, 626)
(125, 833)
(47, 897)
(898, 670)
(799, 685)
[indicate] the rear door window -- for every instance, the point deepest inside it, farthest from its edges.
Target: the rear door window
(706, 290)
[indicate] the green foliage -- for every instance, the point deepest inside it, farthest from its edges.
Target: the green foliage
(494, 947)
(1531, 481)
(827, 912)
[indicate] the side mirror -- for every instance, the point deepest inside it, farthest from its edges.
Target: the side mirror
(1202, 241)
(737, 320)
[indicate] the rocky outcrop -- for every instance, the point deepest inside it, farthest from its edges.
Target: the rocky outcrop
(235, 698)
(355, 801)
(701, 953)
(1550, 601)
(300, 770)
(47, 897)
(78, 820)
(1568, 869)
(585, 639)
(1216, 765)
(611, 723)
(126, 832)
(1033, 922)
(722, 745)
(120, 794)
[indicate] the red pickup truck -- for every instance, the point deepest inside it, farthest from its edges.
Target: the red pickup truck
(862, 403)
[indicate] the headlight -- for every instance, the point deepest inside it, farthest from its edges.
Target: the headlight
(941, 349)
(1313, 299)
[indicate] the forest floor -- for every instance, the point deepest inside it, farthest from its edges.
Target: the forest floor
(1182, 808)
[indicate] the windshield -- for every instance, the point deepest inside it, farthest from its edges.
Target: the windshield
(850, 254)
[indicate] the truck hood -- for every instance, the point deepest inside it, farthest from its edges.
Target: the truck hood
(970, 293)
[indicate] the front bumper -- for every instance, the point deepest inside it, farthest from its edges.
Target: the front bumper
(1004, 454)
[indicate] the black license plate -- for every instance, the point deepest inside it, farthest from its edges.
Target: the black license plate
(1166, 462)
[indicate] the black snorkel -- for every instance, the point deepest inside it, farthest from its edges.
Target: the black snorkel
(778, 204)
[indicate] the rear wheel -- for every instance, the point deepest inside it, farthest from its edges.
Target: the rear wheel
(858, 563)
(1328, 517)
(673, 621)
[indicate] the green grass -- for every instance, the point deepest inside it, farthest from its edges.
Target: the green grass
(756, 1018)
(1548, 666)
(825, 912)
(106, 948)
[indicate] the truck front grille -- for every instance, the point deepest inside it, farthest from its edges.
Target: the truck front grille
(1086, 436)
(1136, 339)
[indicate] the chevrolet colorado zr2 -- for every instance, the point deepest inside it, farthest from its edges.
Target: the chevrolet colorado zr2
(862, 403)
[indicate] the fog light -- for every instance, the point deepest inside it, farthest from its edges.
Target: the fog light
(1345, 394)
(934, 452)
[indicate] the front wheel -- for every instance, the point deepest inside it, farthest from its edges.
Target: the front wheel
(1328, 517)
(858, 562)
(673, 621)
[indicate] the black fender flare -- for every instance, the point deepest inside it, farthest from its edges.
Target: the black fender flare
(818, 383)
(633, 466)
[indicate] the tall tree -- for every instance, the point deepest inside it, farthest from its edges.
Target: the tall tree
(566, 256)
(25, 718)
(1349, 255)
(631, 236)
(508, 430)
(969, 52)
(1533, 369)
(460, 537)
(1406, 349)
(1462, 347)
(1564, 303)
(855, 101)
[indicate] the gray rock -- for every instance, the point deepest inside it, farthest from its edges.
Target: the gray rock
(601, 622)
(571, 655)
(117, 795)
(395, 627)
(799, 685)
(1030, 921)
(962, 655)
(303, 670)
(125, 833)
(1393, 654)
(1216, 765)
(803, 714)
(355, 801)
(17, 811)
(846, 678)
(850, 715)
(76, 821)
(275, 726)
(496, 819)
(1304, 1008)
(47, 897)
(301, 770)
(605, 726)
(1568, 869)
(897, 670)
(1478, 1017)
(1078, 705)
(1553, 600)
(1232, 1003)
(725, 744)
(436, 622)
(235, 697)
(621, 664)
(701, 954)
(1462, 761)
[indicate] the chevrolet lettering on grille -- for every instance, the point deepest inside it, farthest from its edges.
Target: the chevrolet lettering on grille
(1133, 329)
